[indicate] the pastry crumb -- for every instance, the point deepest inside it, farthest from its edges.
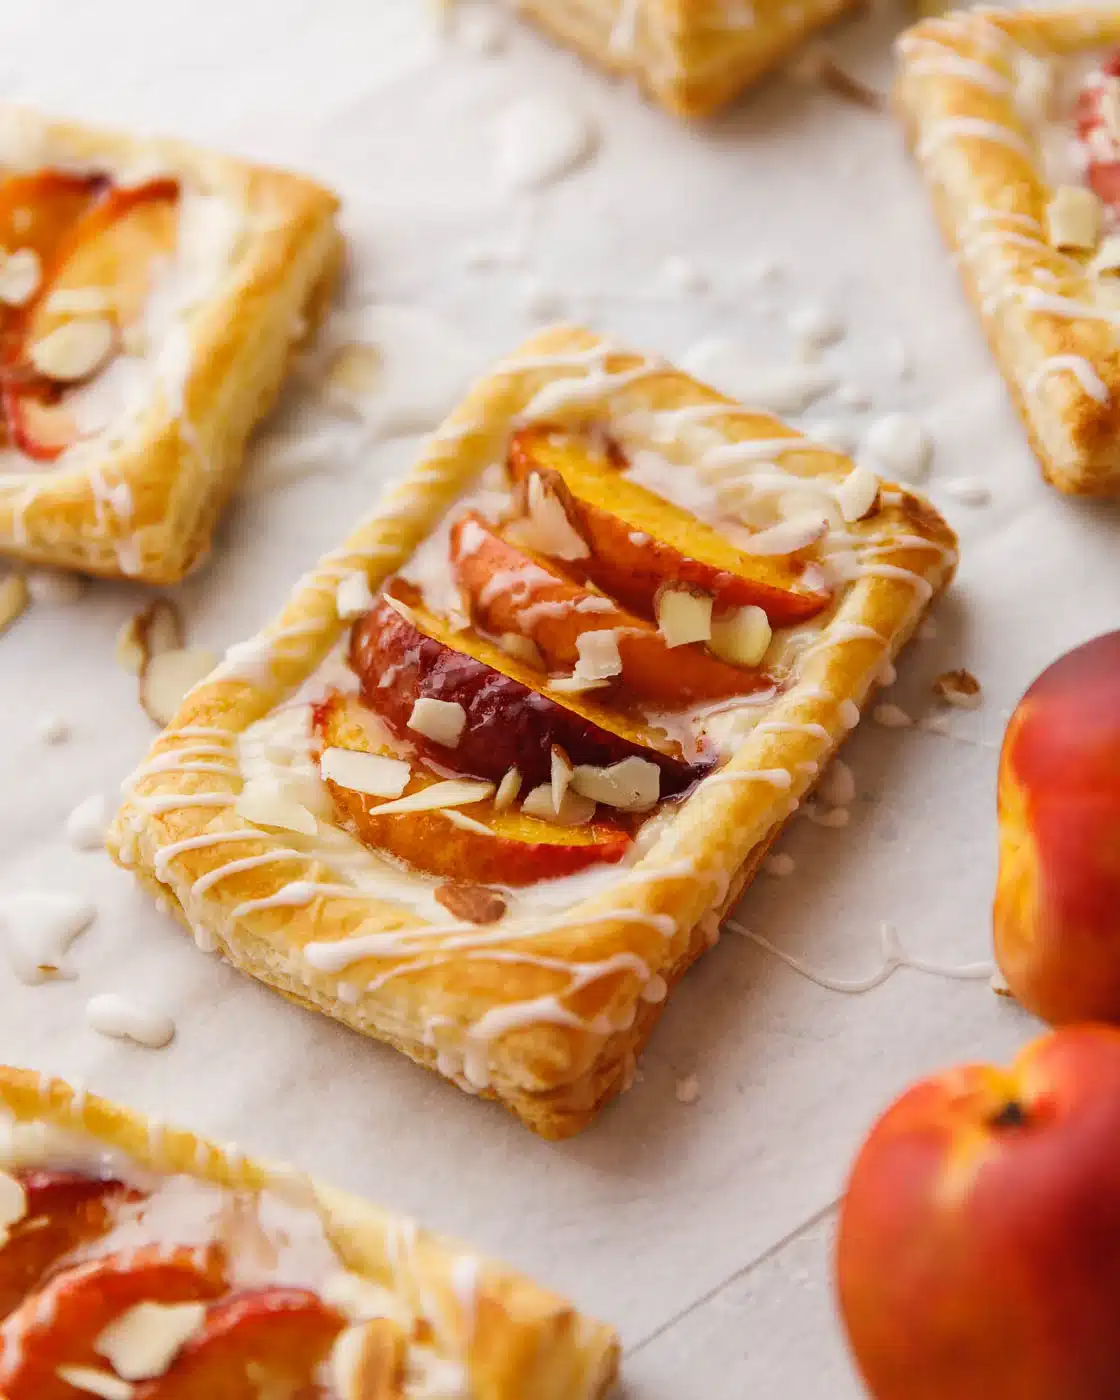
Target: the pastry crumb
(958, 688)
(688, 1089)
(779, 865)
(891, 716)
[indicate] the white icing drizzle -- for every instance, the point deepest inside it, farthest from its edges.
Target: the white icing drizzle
(973, 128)
(1086, 376)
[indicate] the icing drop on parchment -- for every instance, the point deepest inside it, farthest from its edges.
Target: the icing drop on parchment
(541, 138)
(900, 445)
(39, 927)
(86, 824)
(116, 1016)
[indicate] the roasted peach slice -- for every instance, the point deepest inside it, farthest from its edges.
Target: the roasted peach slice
(1102, 150)
(495, 848)
(109, 256)
(64, 1210)
(270, 1342)
(504, 722)
(636, 542)
(512, 590)
(37, 212)
(57, 1326)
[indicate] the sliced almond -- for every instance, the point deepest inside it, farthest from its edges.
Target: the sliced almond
(371, 773)
(858, 494)
(575, 685)
(508, 789)
(368, 1361)
(268, 804)
(455, 792)
(546, 527)
(786, 537)
(632, 785)
(742, 638)
(154, 629)
(354, 597)
(524, 648)
(20, 275)
(1107, 256)
(75, 349)
(465, 823)
(401, 609)
(958, 688)
(442, 721)
(80, 301)
(169, 676)
(94, 1382)
(13, 1204)
(14, 597)
(143, 1341)
(599, 657)
(475, 903)
(561, 776)
(684, 616)
(1073, 217)
(575, 810)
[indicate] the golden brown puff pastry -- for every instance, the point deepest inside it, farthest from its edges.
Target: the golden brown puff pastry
(1011, 116)
(156, 432)
(544, 999)
(691, 55)
(457, 1321)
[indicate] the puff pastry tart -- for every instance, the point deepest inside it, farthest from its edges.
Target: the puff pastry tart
(138, 1262)
(150, 297)
(691, 55)
(1015, 121)
(486, 785)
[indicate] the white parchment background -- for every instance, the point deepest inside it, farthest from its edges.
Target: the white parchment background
(702, 1231)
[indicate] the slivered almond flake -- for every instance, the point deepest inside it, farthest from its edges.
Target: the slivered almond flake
(465, 823)
(575, 685)
(13, 1204)
(508, 789)
(354, 370)
(20, 275)
(599, 658)
(742, 638)
(475, 903)
(786, 537)
(401, 609)
(958, 688)
(94, 1382)
(154, 629)
(1107, 256)
(80, 301)
(267, 804)
(575, 810)
(371, 773)
(632, 785)
(546, 527)
(143, 1341)
(1073, 217)
(75, 349)
(14, 597)
(367, 1362)
(523, 648)
(442, 721)
(454, 792)
(858, 494)
(353, 597)
(169, 676)
(684, 616)
(561, 776)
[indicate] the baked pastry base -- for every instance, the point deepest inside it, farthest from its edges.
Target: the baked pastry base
(955, 92)
(513, 1338)
(147, 506)
(691, 56)
(546, 1016)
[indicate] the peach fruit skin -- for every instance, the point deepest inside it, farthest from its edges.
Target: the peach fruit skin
(1057, 906)
(979, 1246)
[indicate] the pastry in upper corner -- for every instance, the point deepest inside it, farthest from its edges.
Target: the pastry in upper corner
(139, 1262)
(151, 296)
(487, 785)
(1014, 117)
(691, 55)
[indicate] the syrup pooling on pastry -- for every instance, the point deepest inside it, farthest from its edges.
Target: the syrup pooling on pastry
(116, 1280)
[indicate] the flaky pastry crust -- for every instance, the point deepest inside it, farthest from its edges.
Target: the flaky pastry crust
(513, 1338)
(692, 56)
(1054, 339)
(147, 506)
(548, 1020)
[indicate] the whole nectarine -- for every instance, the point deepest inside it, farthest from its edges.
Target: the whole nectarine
(1057, 906)
(979, 1246)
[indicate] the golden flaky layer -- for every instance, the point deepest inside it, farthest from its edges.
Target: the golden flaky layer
(514, 1339)
(547, 1017)
(146, 508)
(956, 93)
(691, 55)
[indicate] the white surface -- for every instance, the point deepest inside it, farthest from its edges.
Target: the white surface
(688, 1225)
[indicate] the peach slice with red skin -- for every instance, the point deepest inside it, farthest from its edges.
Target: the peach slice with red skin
(58, 1325)
(38, 210)
(1057, 936)
(638, 542)
(509, 724)
(64, 1210)
(269, 1342)
(113, 248)
(978, 1255)
(517, 851)
(553, 612)
(1103, 176)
